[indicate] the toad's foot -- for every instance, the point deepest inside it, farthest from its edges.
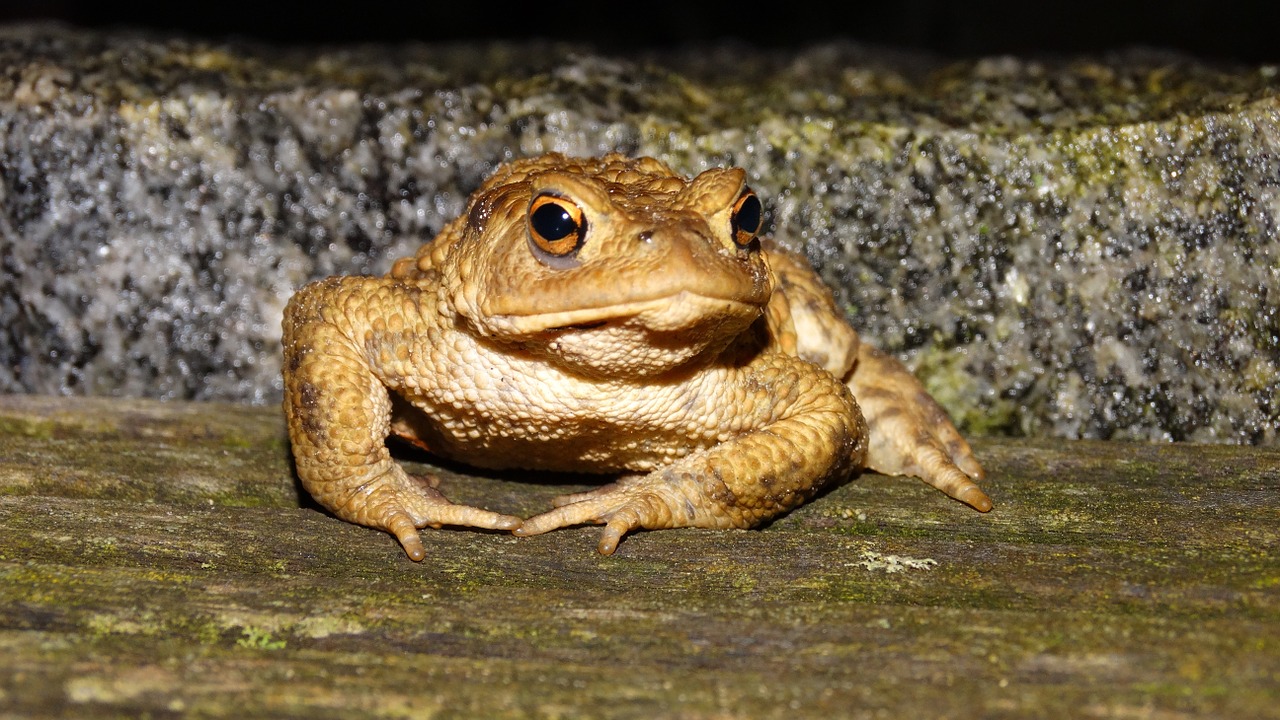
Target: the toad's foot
(910, 434)
(936, 454)
(401, 505)
(653, 501)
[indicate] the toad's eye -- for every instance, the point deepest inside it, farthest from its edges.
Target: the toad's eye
(748, 214)
(556, 227)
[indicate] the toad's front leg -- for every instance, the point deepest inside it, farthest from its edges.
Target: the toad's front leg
(799, 428)
(339, 415)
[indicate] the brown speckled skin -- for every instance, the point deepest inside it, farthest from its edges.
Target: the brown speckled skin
(719, 378)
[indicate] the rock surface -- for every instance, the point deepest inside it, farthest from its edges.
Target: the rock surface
(1076, 248)
(156, 560)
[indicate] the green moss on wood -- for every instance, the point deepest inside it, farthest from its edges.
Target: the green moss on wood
(1110, 576)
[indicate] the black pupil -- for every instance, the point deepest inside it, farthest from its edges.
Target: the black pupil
(553, 222)
(748, 217)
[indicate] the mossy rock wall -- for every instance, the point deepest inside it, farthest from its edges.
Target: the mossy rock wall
(1084, 247)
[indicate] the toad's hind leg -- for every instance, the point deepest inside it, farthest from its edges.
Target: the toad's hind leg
(910, 433)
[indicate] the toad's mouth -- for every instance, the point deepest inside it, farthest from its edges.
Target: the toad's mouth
(682, 311)
(579, 326)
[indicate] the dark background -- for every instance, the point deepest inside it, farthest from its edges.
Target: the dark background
(1245, 31)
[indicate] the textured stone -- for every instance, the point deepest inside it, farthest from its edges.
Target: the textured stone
(1080, 248)
(170, 572)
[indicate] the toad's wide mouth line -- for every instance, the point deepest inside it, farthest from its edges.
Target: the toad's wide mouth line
(579, 326)
(590, 318)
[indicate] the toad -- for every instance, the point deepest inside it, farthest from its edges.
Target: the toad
(601, 315)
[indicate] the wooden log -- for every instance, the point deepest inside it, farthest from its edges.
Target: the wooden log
(160, 559)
